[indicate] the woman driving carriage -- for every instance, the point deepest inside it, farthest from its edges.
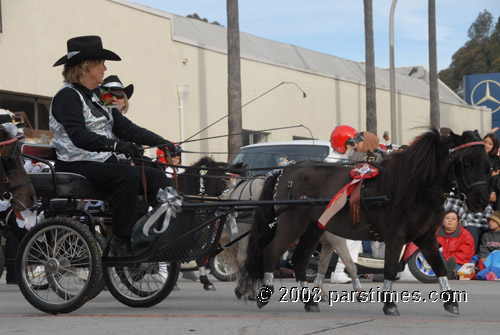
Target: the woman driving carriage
(88, 134)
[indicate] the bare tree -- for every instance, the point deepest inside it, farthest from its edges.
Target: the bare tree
(433, 75)
(235, 142)
(371, 101)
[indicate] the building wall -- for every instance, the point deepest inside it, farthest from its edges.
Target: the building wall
(35, 33)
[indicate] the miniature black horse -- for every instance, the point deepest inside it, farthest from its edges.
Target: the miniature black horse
(403, 204)
(205, 178)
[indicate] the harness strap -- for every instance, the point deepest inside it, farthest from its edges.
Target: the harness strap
(370, 225)
(12, 140)
(477, 183)
(290, 195)
(354, 203)
(27, 181)
(144, 184)
(469, 144)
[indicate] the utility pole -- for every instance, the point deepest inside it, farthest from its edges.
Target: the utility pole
(433, 76)
(371, 94)
(394, 129)
(234, 142)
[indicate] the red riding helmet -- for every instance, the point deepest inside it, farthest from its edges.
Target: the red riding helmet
(162, 159)
(340, 135)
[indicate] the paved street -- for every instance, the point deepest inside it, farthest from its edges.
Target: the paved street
(195, 311)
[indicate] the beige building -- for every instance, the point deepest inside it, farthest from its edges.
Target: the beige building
(179, 69)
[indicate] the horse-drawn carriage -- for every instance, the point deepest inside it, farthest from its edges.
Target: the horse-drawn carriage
(65, 260)
(62, 260)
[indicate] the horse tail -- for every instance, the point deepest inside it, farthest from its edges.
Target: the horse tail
(261, 235)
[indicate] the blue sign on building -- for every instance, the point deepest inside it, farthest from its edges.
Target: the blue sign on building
(484, 90)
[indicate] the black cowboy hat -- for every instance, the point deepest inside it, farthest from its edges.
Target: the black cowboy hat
(114, 83)
(85, 48)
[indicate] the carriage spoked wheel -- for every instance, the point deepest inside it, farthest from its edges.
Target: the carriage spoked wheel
(56, 282)
(64, 254)
(101, 242)
(142, 284)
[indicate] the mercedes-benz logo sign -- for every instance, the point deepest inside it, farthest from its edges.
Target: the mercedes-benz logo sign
(486, 93)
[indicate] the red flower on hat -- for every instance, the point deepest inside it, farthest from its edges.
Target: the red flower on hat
(107, 99)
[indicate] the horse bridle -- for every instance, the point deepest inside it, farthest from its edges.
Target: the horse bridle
(454, 182)
(7, 164)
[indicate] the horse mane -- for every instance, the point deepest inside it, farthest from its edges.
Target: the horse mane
(203, 162)
(409, 172)
(213, 183)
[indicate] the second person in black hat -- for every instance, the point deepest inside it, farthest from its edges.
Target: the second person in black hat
(87, 134)
(113, 89)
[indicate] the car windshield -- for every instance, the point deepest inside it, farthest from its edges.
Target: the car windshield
(278, 155)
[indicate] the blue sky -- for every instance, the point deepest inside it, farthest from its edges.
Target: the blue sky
(336, 27)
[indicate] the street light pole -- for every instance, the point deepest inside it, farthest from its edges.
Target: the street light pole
(394, 135)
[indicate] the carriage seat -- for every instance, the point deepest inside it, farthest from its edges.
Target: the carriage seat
(69, 185)
(66, 184)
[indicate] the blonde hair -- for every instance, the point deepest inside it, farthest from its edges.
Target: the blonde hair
(74, 73)
(125, 105)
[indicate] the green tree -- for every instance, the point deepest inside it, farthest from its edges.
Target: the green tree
(204, 19)
(480, 54)
(481, 28)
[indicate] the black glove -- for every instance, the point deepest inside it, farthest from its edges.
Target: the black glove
(165, 145)
(129, 149)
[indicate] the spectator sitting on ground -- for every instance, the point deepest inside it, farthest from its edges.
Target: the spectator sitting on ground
(475, 223)
(490, 240)
(489, 250)
(491, 145)
(457, 243)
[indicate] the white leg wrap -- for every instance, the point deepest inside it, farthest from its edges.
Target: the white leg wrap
(268, 279)
(443, 284)
(387, 291)
(202, 270)
(356, 284)
(319, 279)
(302, 284)
(387, 285)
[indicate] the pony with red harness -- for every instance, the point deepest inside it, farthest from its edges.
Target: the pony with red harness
(403, 204)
